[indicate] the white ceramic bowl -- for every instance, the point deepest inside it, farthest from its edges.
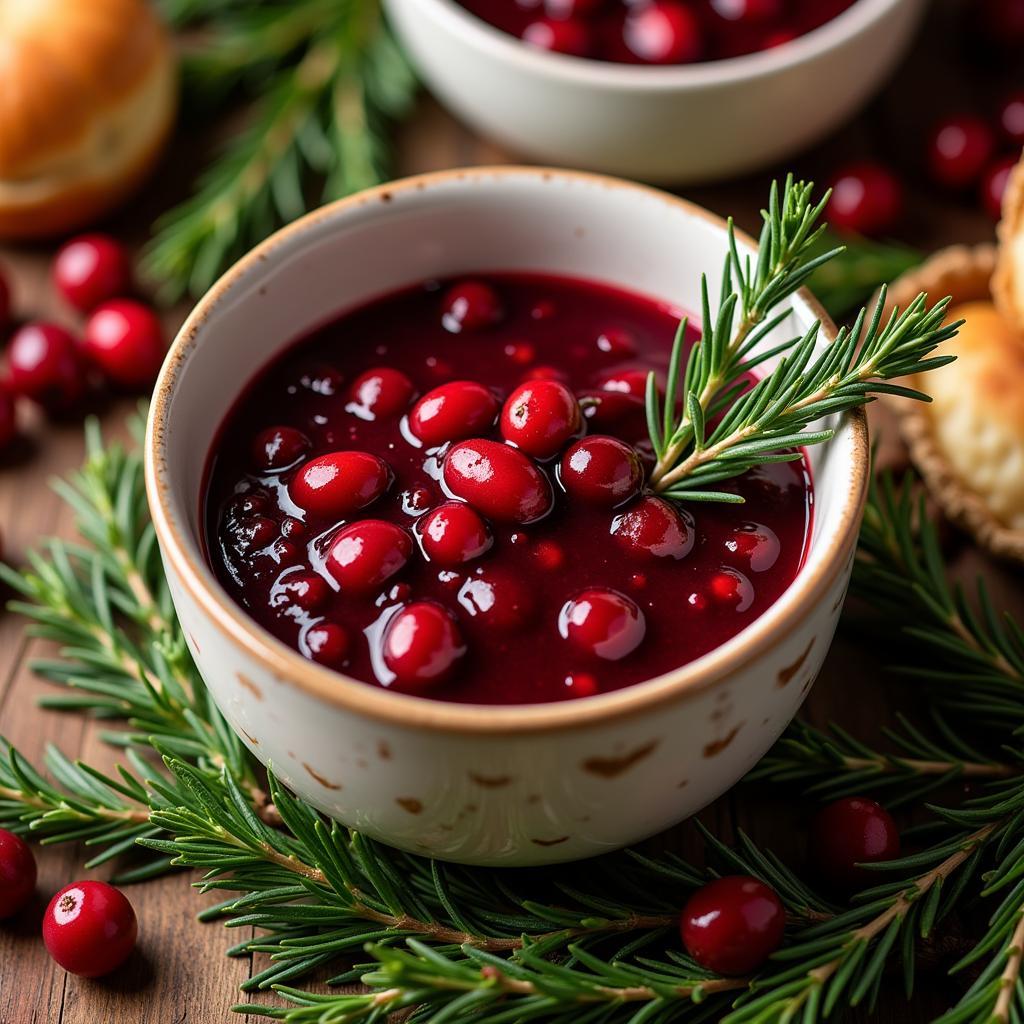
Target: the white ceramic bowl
(696, 122)
(490, 785)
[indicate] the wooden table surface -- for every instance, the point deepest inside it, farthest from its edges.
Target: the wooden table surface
(179, 973)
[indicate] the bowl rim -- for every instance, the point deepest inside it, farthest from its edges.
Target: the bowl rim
(290, 668)
(585, 71)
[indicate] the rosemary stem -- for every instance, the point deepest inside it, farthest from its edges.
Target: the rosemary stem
(107, 813)
(1010, 977)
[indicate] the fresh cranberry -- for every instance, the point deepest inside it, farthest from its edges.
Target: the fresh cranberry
(327, 643)
(470, 306)
(453, 533)
(1011, 118)
(558, 36)
(617, 343)
(452, 412)
(993, 185)
(380, 393)
(613, 412)
(45, 366)
(17, 874)
(422, 645)
(539, 417)
(363, 555)
(626, 382)
(851, 832)
(749, 12)
(91, 269)
(90, 928)
(731, 588)
(601, 470)
(733, 924)
(279, 447)
(603, 622)
(663, 32)
(498, 481)
(758, 546)
(653, 528)
(498, 599)
(581, 684)
(8, 417)
(960, 148)
(867, 199)
(306, 590)
(339, 483)
(124, 339)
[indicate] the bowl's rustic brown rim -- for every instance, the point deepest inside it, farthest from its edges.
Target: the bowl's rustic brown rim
(289, 667)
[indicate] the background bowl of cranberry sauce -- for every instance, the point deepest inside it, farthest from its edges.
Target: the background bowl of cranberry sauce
(418, 744)
(666, 122)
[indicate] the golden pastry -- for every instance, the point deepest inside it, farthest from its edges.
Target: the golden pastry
(1008, 280)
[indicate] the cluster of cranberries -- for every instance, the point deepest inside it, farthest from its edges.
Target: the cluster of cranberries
(121, 342)
(733, 924)
(656, 31)
(89, 927)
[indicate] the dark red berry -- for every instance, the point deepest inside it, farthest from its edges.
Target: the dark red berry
(339, 483)
(626, 382)
(749, 12)
(470, 306)
(498, 481)
(421, 646)
(17, 874)
(91, 269)
(617, 343)
(663, 32)
(851, 832)
(453, 411)
(306, 590)
(757, 545)
(544, 372)
(581, 684)
(959, 151)
(380, 393)
(993, 185)
(363, 555)
(45, 366)
(867, 199)
(574, 8)
(731, 588)
(540, 417)
(653, 528)
(8, 417)
(603, 623)
(733, 924)
(570, 37)
(1011, 118)
(549, 555)
(601, 471)
(279, 447)
(498, 599)
(612, 412)
(453, 533)
(321, 379)
(327, 643)
(123, 338)
(90, 928)
(254, 534)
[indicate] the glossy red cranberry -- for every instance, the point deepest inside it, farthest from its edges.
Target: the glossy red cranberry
(663, 32)
(453, 533)
(123, 338)
(90, 928)
(339, 483)
(581, 684)
(363, 555)
(758, 546)
(44, 365)
(733, 924)
(731, 588)
(498, 599)
(959, 150)
(540, 417)
(626, 382)
(851, 832)
(749, 12)
(570, 37)
(8, 417)
(17, 874)
(867, 199)
(254, 534)
(601, 470)
(327, 643)
(279, 447)
(91, 269)
(470, 306)
(603, 623)
(453, 411)
(993, 185)
(612, 412)
(305, 590)
(653, 528)
(617, 343)
(380, 393)
(1011, 118)
(498, 481)
(321, 379)
(421, 646)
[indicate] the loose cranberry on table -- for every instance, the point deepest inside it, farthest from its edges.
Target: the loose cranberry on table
(421, 645)
(1011, 118)
(540, 417)
(733, 924)
(601, 471)
(498, 481)
(44, 365)
(993, 185)
(339, 483)
(365, 554)
(123, 338)
(91, 269)
(654, 528)
(17, 874)
(453, 533)
(90, 928)
(470, 306)
(848, 833)
(380, 393)
(663, 32)
(867, 199)
(603, 623)
(452, 412)
(8, 417)
(959, 150)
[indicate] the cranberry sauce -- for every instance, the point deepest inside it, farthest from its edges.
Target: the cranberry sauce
(656, 31)
(442, 493)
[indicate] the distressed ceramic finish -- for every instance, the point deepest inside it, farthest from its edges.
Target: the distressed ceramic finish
(697, 122)
(513, 785)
